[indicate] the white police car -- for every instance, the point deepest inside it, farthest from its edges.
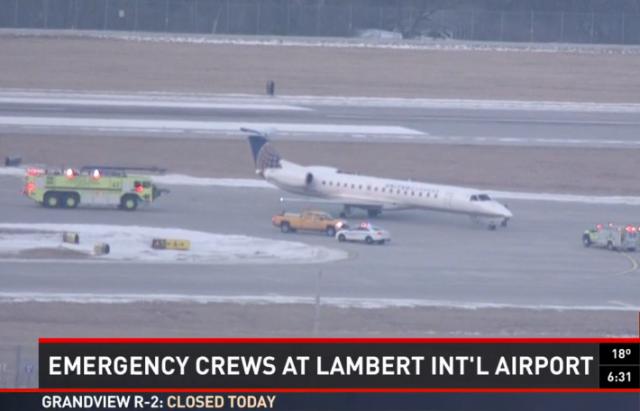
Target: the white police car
(365, 232)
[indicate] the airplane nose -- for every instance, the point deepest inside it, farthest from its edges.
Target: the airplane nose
(504, 211)
(500, 210)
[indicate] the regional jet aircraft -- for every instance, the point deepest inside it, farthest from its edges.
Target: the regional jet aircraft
(373, 194)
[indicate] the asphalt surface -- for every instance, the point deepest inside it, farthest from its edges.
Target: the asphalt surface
(538, 261)
(437, 126)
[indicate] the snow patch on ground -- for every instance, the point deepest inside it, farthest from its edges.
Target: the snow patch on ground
(341, 302)
(566, 198)
(378, 34)
(12, 171)
(181, 179)
(133, 244)
(153, 101)
(295, 102)
(463, 104)
(190, 125)
(377, 40)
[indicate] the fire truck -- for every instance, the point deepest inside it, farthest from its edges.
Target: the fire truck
(612, 237)
(94, 186)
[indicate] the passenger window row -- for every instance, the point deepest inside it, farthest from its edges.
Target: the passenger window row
(428, 194)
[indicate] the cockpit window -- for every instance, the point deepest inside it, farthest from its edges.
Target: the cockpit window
(484, 197)
(473, 198)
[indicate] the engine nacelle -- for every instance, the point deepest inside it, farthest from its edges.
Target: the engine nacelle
(294, 177)
(322, 170)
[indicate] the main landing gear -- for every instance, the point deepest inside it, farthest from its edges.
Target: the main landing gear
(346, 211)
(371, 212)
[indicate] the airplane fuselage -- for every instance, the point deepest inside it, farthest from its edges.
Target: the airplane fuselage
(382, 193)
(373, 194)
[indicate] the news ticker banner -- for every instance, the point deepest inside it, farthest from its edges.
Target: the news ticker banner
(341, 365)
(619, 401)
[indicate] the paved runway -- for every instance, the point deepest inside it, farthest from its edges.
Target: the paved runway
(218, 117)
(538, 261)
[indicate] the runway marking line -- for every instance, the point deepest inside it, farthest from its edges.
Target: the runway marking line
(634, 265)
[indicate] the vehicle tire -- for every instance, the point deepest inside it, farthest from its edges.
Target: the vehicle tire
(586, 241)
(492, 227)
(285, 227)
(331, 231)
(129, 202)
(51, 200)
(381, 242)
(610, 246)
(342, 238)
(70, 200)
(368, 240)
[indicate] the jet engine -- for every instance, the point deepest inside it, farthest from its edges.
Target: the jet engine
(294, 177)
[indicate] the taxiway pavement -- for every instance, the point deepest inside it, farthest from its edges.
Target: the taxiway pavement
(439, 259)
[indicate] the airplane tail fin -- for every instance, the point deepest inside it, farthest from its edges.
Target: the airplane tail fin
(264, 154)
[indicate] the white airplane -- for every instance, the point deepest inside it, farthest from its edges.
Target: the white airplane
(373, 194)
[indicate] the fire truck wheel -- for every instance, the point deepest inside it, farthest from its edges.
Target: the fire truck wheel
(610, 246)
(129, 202)
(51, 200)
(71, 200)
(331, 232)
(586, 240)
(285, 227)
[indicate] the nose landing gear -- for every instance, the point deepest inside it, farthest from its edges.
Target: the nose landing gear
(492, 224)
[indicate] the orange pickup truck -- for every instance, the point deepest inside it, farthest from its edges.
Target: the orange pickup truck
(308, 221)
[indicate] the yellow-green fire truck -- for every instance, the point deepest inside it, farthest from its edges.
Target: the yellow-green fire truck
(95, 186)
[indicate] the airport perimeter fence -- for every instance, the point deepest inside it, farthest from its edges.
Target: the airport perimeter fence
(292, 17)
(18, 366)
